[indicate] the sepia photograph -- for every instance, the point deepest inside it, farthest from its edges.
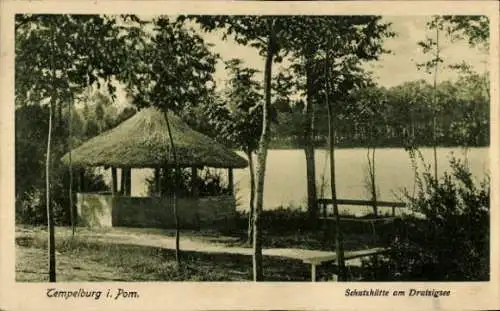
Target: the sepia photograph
(282, 148)
(145, 154)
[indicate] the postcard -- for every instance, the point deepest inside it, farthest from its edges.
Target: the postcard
(246, 155)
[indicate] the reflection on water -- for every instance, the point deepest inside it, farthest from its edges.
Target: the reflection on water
(285, 183)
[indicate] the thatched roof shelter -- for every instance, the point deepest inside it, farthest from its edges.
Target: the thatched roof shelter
(143, 142)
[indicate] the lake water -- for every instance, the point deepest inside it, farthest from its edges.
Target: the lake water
(285, 183)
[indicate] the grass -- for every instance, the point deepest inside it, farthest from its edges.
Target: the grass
(302, 240)
(31, 266)
(285, 228)
(119, 254)
(357, 235)
(86, 259)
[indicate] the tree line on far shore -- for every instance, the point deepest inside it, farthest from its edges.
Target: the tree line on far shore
(399, 117)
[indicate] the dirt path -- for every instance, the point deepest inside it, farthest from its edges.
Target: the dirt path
(187, 243)
(88, 264)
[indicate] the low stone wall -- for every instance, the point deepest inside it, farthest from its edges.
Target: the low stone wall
(102, 210)
(94, 209)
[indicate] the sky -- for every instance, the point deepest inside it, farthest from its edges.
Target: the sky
(390, 70)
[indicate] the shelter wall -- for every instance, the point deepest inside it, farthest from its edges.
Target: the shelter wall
(97, 210)
(94, 210)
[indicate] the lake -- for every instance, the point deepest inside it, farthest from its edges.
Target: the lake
(286, 186)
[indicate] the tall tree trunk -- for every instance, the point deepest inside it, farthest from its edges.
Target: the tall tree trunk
(70, 146)
(126, 181)
(59, 116)
(374, 183)
(230, 181)
(81, 181)
(252, 196)
(434, 145)
(370, 154)
(412, 124)
(371, 176)
(174, 195)
(262, 156)
(50, 208)
(123, 181)
(434, 110)
(129, 182)
(157, 182)
(339, 243)
(114, 186)
(312, 205)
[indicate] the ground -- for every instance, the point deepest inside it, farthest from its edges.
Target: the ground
(31, 265)
(128, 254)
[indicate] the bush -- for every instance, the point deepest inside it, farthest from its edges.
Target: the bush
(31, 203)
(209, 183)
(450, 241)
(284, 220)
(31, 131)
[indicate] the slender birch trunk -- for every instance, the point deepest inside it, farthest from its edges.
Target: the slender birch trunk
(261, 157)
(434, 126)
(70, 146)
(312, 205)
(339, 243)
(123, 181)
(370, 155)
(252, 196)
(50, 208)
(174, 195)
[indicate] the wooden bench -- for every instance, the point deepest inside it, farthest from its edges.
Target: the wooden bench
(319, 260)
(386, 219)
(324, 202)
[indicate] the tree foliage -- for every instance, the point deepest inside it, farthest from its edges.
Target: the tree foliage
(88, 48)
(173, 70)
(237, 115)
(55, 58)
(406, 114)
(266, 33)
(473, 28)
(166, 64)
(351, 41)
(31, 125)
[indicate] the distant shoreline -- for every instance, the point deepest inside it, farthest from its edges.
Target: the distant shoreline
(284, 147)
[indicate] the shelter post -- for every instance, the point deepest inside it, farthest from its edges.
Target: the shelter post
(158, 181)
(114, 182)
(129, 182)
(122, 181)
(126, 182)
(230, 179)
(81, 177)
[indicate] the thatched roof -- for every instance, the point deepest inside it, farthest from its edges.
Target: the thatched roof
(143, 142)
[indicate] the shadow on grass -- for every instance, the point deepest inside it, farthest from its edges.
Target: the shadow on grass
(303, 240)
(147, 263)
